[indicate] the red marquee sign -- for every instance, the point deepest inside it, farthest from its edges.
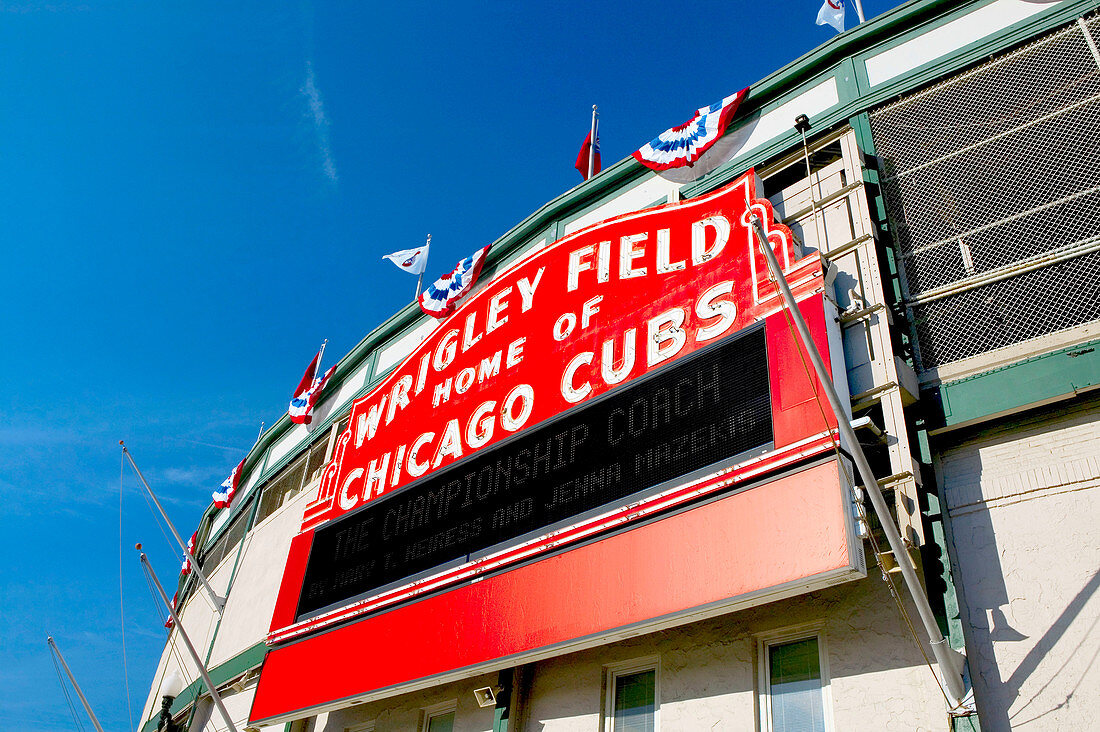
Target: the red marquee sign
(594, 311)
(563, 330)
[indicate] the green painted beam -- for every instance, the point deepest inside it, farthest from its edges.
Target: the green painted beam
(503, 710)
(1031, 382)
(244, 661)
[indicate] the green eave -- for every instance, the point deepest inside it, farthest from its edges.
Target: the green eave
(231, 669)
(626, 171)
(1030, 383)
(873, 36)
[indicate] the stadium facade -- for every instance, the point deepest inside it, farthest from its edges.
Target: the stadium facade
(605, 495)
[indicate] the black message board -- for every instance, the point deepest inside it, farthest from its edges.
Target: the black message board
(712, 406)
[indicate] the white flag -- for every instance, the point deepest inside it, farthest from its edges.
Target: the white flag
(411, 260)
(832, 13)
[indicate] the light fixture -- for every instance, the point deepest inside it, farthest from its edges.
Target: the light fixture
(171, 687)
(485, 696)
(889, 563)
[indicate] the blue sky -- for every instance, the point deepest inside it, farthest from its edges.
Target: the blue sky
(193, 195)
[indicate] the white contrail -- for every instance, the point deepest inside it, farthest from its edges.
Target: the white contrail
(320, 121)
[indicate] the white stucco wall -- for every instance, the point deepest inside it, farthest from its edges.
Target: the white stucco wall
(1024, 505)
(708, 674)
(244, 624)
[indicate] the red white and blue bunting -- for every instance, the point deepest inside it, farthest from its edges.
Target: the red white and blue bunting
(442, 297)
(683, 145)
(224, 495)
(186, 568)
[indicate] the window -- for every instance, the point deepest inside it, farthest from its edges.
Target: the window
(321, 450)
(228, 540)
(793, 684)
(441, 722)
(439, 718)
(281, 488)
(632, 698)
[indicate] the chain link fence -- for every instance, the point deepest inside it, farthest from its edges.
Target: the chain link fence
(992, 186)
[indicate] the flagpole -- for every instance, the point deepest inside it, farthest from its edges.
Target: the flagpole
(859, 10)
(948, 659)
(320, 356)
(87, 707)
(260, 433)
(592, 144)
(420, 279)
(187, 641)
(219, 602)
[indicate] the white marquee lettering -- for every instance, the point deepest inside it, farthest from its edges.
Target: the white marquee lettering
(572, 393)
(515, 352)
(450, 444)
(367, 424)
(699, 251)
(666, 336)
(348, 500)
(497, 306)
(399, 396)
(445, 350)
(628, 252)
(527, 290)
(710, 307)
(525, 395)
(376, 475)
(578, 262)
(608, 370)
(414, 467)
(465, 379)
(480, 428)
(590, 308)
(564, 326)
(468, 337)
(664, 266)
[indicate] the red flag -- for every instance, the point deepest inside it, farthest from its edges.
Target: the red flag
(308, 391)
(582, 157)
(307, 380)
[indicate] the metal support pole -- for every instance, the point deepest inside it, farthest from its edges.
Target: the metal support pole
(592, 143)
(948, 659)
(187, 642)
(420, 279)
(87, 707)
(801, 124)
(219, 602)
(859, 10)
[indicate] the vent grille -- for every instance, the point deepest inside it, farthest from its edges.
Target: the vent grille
(991, 180)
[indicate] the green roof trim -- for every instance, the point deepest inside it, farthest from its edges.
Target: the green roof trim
(842, 58)
(244, 661)
(1032, 382)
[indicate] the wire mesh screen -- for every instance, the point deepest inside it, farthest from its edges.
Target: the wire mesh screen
(992, 185)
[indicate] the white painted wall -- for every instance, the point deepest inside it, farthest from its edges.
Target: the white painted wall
(259, 574)
(1024, 506)
(938, 42)
(248, 612)
(651, 189)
